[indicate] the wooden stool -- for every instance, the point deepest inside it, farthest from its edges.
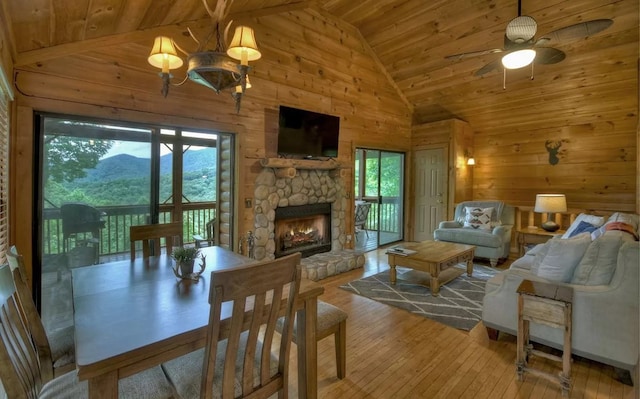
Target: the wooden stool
(331, 320)
(547, 304)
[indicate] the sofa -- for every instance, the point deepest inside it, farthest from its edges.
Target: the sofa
(485, 224)
(602, 266)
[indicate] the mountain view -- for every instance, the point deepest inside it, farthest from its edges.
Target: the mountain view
(125, 180)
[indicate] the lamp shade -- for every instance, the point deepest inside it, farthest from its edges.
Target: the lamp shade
(550, 203)
(164, 55)
(243, 46)
(471, 161)
(518, 59)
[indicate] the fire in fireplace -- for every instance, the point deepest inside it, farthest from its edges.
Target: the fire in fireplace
(305, 229)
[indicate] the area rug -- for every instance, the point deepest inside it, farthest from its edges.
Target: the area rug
(459, 304)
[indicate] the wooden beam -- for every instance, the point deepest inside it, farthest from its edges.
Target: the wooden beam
(67, 49)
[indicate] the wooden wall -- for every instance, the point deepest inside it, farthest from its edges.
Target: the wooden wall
(310, 61)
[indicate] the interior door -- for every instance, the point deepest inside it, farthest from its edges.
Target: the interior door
(430, 196)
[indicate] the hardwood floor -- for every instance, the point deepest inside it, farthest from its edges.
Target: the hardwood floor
(393, 354)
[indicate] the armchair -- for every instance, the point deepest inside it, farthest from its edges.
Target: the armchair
(491, 234)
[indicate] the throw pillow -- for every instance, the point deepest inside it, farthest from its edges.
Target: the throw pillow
(599, 261)
(540, 252)
(583, 227)
(562, 258)
(596, 221)
(478, 218)
(627, 218)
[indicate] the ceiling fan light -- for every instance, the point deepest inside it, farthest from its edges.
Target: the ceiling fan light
(518, 59)
(164, 55)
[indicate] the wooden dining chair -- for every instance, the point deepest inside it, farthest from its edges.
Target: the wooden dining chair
(56, 351)
(243, 356)
(20, 371)
(150, 235)
(331, 321)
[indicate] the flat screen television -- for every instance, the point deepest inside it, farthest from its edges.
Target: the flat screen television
(307, 134)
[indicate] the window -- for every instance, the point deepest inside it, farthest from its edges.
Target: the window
(5, 127)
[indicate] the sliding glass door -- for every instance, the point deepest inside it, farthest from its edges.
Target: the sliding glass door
(97, 178)
(379, 180)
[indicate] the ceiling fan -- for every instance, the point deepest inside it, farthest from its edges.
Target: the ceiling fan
(522, 49)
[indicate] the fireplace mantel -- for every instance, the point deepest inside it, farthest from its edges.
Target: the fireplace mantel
(284, 167)
(280, 163)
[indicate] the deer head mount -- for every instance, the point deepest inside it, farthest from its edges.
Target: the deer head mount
(553, 147)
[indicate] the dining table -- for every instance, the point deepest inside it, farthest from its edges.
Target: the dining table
(133, 315)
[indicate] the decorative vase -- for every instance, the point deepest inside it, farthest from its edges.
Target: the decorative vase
(186, 267)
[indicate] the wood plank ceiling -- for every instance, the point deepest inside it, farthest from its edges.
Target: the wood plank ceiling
(410, 38)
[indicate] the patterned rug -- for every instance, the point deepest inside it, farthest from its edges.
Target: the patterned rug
(459, 304)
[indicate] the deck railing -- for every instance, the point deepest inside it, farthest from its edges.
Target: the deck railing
(390, 217)
(114, 237)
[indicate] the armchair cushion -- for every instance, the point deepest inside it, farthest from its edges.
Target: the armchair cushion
(482, 238)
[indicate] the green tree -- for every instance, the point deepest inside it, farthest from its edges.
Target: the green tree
(67, 158)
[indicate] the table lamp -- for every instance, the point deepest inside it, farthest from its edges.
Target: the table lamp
(550, 203)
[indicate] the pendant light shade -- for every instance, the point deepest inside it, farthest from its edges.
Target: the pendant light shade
(164, 55)
(243, 46)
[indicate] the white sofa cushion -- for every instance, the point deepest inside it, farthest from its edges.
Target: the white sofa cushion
(562, 257)
(478, 218)
(599, 261)
(596, 221)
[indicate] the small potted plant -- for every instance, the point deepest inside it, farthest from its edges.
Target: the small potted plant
(185, 258)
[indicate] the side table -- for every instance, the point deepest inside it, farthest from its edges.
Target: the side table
(534, 235)
(547, 304)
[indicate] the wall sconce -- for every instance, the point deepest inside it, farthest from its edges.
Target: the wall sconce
(470, 159)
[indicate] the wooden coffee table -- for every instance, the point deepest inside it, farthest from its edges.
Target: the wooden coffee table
(432, 257)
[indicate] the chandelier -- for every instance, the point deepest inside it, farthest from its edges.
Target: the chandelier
(216, 69)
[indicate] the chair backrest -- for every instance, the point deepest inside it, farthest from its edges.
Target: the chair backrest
(19, 369)
(30, 314)
(210, 226)
(150, 235)
(362, 213)
(261, 293)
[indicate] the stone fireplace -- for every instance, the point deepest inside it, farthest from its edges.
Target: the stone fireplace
(278, 198)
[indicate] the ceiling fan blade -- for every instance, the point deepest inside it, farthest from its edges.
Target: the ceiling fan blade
(577, 31)
(488, 68)
(474, 54)
(549, 55)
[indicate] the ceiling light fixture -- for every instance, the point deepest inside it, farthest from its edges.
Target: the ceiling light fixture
(518, 59)
(216, 69)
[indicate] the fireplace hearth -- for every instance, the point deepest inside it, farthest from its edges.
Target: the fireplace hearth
(304, 228)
